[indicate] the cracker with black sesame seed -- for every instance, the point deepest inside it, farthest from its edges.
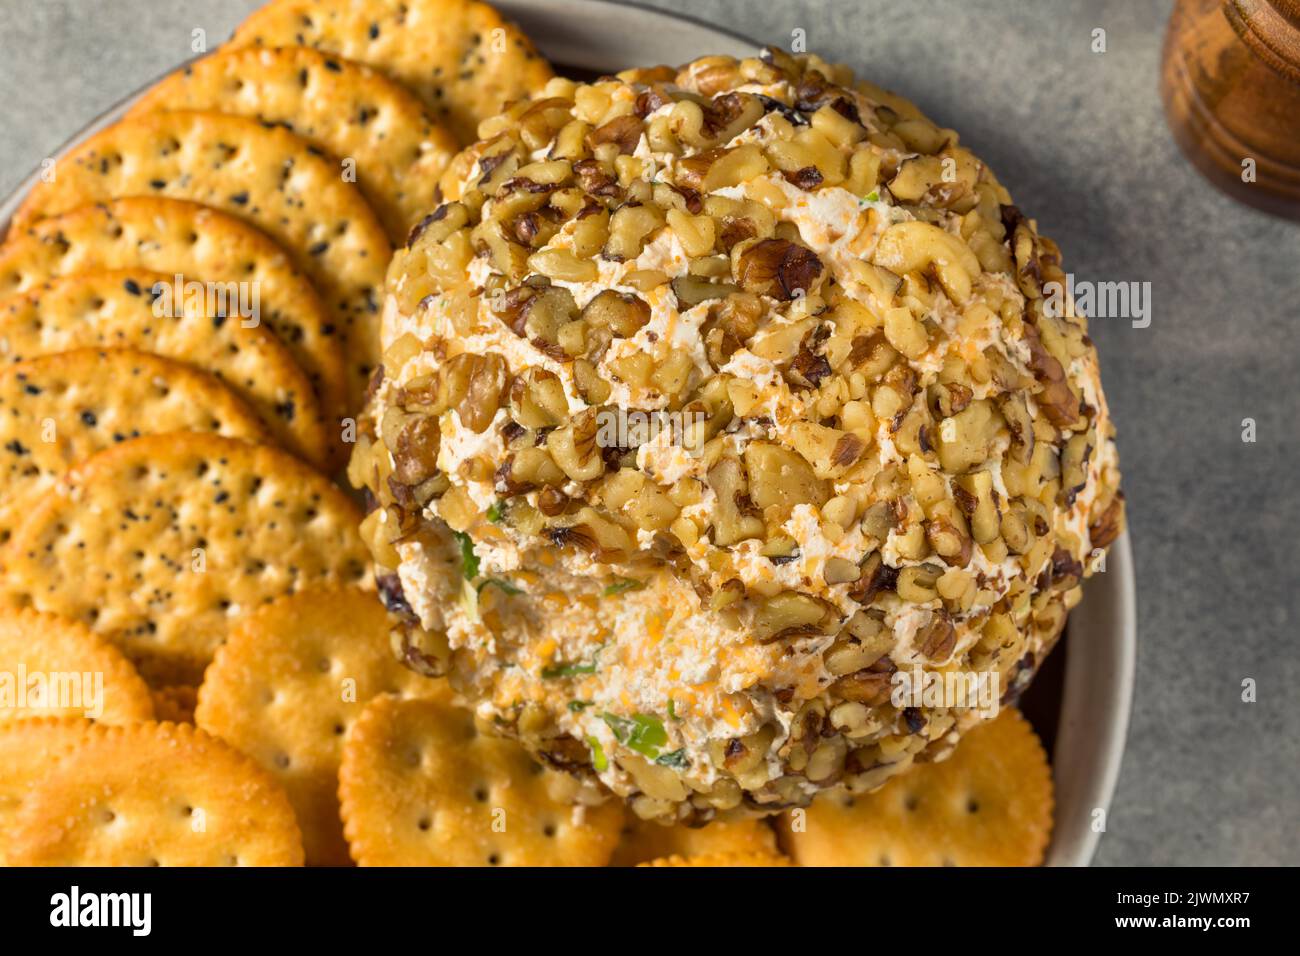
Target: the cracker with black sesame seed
(420, 785)
(286, 686)
(138, 310)
(162, 543)
(264, 175)
(57, 410)
(989, 804)
(176, 237)
(396, 149)
(459, 56)
(143, 794)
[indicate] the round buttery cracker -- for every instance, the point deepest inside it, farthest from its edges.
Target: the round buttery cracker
(459, 56)
(644, 840)
(733, 859)
(284, 689)
(180, 238)
(989, 804)
(140, 310)
(59, 409)
(420, 785)
(55, 667)
(262, 174)
(162, 543)
(352, 112)
(153, 794)
(28, 749)
(176, 703)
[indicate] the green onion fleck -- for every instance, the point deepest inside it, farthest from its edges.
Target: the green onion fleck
(873, 196)
(573, 670)
(598, 760)
(676, 758)
(577, 706)
(494, 513)
(622, 585)
(672, 709)
(468, 559)
(502, 583)
(567, 670)
(643, 733)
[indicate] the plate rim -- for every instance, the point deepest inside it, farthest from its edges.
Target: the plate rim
(1095, 725)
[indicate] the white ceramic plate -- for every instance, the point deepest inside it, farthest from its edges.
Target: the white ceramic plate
(602, 37)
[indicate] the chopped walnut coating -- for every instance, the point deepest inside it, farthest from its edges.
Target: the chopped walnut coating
(739, 385)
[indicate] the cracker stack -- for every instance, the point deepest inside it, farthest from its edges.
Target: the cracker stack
(189, 308)
(194, 667)
(209, 271)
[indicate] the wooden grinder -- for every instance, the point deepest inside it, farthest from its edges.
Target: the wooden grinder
(1230, 79)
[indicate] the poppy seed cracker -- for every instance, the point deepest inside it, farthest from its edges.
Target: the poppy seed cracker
(460, 57)
(58, 410)
(198, 243)
(122, 309)
(163, 543)
(396, 148)
(265, 175)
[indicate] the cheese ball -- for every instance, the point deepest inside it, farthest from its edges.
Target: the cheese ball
(718, 405)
